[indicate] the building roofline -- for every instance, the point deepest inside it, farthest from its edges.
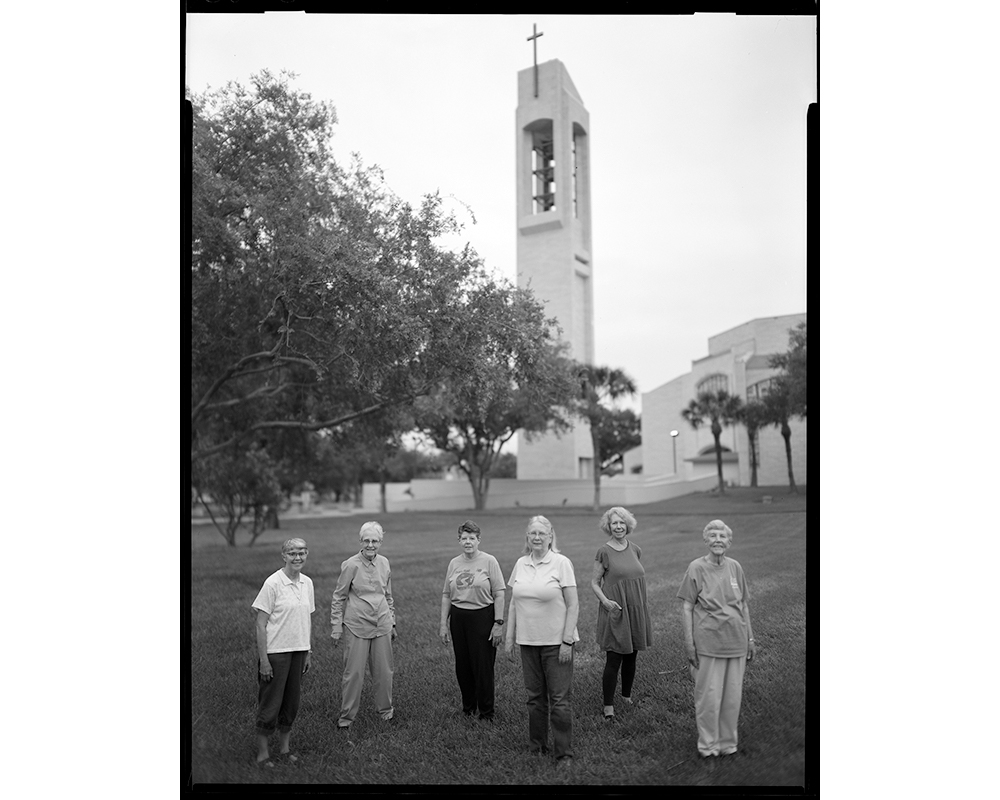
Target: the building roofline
(755, 319)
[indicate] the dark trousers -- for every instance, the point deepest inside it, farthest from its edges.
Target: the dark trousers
(627, 664)
(474, 658)
(549, 686)
(278, 698)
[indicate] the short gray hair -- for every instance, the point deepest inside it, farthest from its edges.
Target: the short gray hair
(371, 526)
(717, 525)
(290, 543)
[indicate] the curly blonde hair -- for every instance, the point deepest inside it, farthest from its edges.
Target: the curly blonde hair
(624, 513)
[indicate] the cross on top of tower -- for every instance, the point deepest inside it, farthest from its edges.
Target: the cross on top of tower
(534, 43)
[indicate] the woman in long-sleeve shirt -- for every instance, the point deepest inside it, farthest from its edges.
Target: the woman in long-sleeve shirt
(362, 613)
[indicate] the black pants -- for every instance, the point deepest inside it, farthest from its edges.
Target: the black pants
(611, 666)
(474, 658)
(278, 698)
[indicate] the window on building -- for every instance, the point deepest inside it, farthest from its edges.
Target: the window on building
(758, 390)
(713, 383)
(543, 170)
(576, 169)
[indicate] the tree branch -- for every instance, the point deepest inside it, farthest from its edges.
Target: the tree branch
(229, 373)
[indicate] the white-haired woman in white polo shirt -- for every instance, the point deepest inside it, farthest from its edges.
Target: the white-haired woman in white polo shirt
(542, 621)
(284, 609)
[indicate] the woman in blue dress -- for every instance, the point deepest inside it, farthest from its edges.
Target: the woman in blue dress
(623, 625)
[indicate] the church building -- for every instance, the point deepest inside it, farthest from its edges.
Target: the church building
(737, 361)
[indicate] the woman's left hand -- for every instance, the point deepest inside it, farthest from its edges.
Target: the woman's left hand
(305, 668)
(392, 636)
(565, 653)
(496, 636)
(751, 651)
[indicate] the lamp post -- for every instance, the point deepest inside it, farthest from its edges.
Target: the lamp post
(673, 438)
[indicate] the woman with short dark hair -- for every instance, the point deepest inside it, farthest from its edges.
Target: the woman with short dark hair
(472, 620)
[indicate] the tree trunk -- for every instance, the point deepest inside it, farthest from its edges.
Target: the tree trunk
(478, 500)
(597, 467)
(786, 434)
(718, 455)
(753, 458)
(382, 478)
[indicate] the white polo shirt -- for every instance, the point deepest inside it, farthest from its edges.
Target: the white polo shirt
(289, 605)
(539, 606)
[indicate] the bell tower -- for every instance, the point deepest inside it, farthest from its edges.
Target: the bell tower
(553, 241)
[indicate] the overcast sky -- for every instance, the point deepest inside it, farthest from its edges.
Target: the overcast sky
(697, 144)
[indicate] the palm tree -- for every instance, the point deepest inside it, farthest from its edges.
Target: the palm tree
(778, 403)
(754, 416)
(599, 385)
(722, 409)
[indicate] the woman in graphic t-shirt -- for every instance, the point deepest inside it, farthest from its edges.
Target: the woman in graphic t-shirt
(718, 638)
(472, 619)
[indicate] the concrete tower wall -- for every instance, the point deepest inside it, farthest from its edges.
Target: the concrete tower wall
(554, 245)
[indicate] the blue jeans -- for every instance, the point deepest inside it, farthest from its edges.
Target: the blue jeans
(549, 686)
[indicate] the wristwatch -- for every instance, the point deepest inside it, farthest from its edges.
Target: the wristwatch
(568, 644)
(498, 622)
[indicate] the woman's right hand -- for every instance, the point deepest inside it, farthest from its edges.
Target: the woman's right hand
(611, 606)
(692, 655)
(445, 635)
(266, 673)
(509, 648)
(336, 638)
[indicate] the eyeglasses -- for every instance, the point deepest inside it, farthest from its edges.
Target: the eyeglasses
(367, 542)
(293, 553)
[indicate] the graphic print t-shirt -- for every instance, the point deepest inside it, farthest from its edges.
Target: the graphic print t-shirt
(472, 583)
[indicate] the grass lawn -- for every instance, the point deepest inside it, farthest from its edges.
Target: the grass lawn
(429, 741)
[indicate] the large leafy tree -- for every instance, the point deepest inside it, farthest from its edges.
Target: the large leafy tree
(719, 409)
(793, 364)
(518, 381)
(318, 297)
(243, 487)
(620, 430)
(599, 387)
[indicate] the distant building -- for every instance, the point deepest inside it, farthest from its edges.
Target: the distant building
(737, 361)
